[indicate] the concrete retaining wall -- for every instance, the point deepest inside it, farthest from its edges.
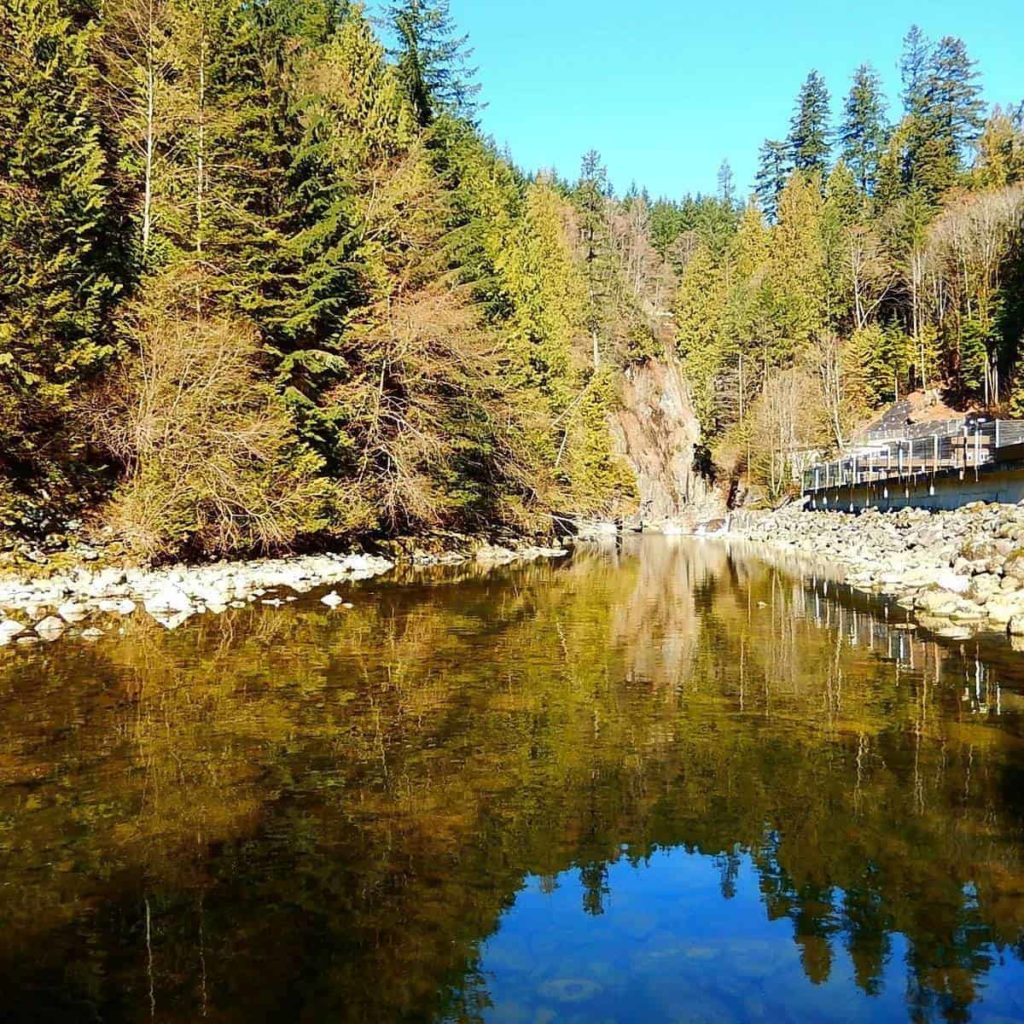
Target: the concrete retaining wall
(946, 489)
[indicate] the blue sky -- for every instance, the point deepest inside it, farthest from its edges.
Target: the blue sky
(666, 89)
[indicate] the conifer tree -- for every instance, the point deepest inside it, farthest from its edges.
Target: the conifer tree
(862, 135)
(773, 170)
(432, 60)
(591, 196)
(810, 139)
(798, 266)
(700, 318)
(955, 110)
(914, 62)
(58, 253)
(726, 184)
(944, 111)
(1000, 156)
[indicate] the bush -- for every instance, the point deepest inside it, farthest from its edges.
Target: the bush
(210, 462)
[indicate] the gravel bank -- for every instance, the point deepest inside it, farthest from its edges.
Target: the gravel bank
(84, 601)
(958, 571)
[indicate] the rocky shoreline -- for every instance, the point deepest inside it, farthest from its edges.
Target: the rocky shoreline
(83, 601)
(958, 571)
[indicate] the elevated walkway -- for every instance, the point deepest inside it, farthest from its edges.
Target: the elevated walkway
(956, 463)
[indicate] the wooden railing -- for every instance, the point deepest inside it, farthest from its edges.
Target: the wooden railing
(970, 446)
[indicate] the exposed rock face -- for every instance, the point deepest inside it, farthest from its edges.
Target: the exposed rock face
(657, 432)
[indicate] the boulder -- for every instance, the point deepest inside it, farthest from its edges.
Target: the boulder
(9, 629)
(952, 581)
(51, 627)
(72, 611)
(1003, 607)
(168, 600)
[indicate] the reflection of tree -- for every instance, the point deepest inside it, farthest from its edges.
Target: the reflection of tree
(336, 808)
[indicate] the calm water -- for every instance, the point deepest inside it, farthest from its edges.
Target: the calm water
(667, 783)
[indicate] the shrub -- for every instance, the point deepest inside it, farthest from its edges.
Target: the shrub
(210, 461)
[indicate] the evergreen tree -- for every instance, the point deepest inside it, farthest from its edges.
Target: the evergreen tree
(700, 319)
(944, 111)
(955, 110)
(914, 63)
(809, 142)
(773, 169)
(726, 184)
(1000, 156)
(58, 252)
(862, 136)
(432, 60)
(591, 196)
(798, 266)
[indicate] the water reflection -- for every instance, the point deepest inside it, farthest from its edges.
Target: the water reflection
(464, 798)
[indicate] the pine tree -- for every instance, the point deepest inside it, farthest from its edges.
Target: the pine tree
(955, 109)
(356, 125)
(862, 136)
(700, 320)
(591, 196)
(432, 60)
(914, 63)
(809, 140)
(58, 253)
(798, 267)
(944, 111)
(773, 170)
(843, 208)
(726, 184)
(1000, 151)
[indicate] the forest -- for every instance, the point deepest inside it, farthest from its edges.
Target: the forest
(265, 282)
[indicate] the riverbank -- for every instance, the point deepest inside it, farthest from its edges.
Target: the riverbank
(958, 571)
(87, 601)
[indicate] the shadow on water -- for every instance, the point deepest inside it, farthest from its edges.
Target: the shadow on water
(668, 781)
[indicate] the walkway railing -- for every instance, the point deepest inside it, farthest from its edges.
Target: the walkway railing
(969, 446)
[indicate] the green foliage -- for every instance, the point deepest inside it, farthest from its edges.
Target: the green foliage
(58, 249)
(862, 135)
(432, 60)
(810, 137)
(772, 172)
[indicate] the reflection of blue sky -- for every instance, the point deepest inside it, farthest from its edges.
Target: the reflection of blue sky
(669, 947)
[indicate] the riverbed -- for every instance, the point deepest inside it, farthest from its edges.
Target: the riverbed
(662, 780)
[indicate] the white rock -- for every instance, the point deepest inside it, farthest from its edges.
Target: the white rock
(168, 600)
(331, 600)
(125, 606)
(92, 633)
(51, 627)
(9, 629)
(952, 581)
(72, 611)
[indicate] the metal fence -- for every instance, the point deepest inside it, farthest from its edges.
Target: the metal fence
(969, 445)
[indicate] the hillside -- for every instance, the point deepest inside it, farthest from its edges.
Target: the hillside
(264, 285)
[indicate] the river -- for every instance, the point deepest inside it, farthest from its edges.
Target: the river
(661, 781)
